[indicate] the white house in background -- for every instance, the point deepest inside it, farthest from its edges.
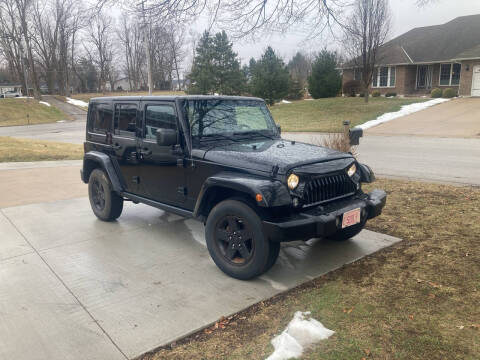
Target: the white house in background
(10, 87)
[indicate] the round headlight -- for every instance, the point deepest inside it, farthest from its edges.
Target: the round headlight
(292, 181)
(352, 170)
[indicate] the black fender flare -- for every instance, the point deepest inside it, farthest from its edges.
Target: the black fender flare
(366, 174)
(95, 159)
(273, 192)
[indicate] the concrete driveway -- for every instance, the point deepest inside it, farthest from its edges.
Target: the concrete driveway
(456, 118)
(73, 287)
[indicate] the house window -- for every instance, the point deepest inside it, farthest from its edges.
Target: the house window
(450, 74)
(384, 77)
(357, 74)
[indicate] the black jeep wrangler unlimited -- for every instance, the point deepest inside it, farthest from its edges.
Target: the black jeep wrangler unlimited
(221, 160)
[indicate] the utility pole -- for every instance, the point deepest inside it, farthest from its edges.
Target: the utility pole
(147, 48)
(22, 62)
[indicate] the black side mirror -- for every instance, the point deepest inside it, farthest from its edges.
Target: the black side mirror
(166, 137)
(279, 129)
(355, 134)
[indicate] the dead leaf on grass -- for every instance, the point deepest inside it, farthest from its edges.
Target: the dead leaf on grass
(410, 317)
(367, 352)
(348, 311)
(434, 285)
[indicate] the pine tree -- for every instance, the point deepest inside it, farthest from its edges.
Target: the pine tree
(216, 68)
(201, 78)
(270, 78)
(325, 80)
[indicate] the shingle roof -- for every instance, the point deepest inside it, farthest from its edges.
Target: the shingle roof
(457, 39)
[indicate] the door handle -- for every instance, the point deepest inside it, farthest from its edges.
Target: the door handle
(117, 146)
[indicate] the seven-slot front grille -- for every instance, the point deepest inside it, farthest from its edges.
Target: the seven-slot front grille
(325, 188)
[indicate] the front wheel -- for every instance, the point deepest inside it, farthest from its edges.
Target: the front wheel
(236, 242)
(106, 204)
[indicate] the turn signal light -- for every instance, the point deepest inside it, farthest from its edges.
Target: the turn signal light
(259, 197)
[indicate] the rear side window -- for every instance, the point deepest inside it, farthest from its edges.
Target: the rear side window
(125, 119)
(100, 118)
(159, 117)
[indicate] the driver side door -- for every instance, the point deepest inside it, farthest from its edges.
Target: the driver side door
(162, 171)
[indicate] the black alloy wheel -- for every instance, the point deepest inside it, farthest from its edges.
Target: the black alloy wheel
(98, 195)
(234, 238)
(106, 204)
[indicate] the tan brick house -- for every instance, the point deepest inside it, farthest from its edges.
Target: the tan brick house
(443, 56)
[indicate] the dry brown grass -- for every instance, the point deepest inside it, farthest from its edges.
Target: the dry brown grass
(327, 115)
(336, 141)
(416, 300)
(14, 149)
(28, 111)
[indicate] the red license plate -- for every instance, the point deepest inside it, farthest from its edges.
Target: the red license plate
(350, 218)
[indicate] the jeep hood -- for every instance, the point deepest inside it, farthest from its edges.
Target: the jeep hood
(263, 155)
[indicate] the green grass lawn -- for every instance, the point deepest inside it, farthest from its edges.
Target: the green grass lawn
(327, 115)
(418, 299)
(13, 149)
(28, 111)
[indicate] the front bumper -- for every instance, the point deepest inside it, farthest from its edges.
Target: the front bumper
(325, 220)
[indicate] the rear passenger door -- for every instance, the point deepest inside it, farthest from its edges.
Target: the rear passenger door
(124, 143)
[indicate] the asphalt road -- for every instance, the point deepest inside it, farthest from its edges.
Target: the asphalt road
(446, 160)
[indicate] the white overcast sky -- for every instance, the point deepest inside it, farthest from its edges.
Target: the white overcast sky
(406, 15)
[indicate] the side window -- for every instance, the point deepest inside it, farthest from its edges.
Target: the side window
(100, 118)
(159, 117)
(125, 119)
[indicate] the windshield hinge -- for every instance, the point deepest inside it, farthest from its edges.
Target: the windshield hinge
(274, 172)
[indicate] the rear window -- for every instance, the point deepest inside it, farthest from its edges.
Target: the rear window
(100, 118)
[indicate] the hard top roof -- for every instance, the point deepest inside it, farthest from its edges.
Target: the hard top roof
(173, 98)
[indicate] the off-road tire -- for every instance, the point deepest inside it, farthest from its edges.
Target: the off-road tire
(262, 254)
(347, 233)
(112, 205)
(274, 252)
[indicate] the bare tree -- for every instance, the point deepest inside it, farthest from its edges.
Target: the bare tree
(11, 41)
(365, 32)
(100, 39)
(130, 36)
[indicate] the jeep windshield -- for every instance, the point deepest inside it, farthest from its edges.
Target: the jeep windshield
(223, 119)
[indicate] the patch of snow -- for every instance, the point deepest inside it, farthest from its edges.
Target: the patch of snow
(77, 102)
(45, 103)
(309, 99)
(286, 102)
(299, 334)
(22, 97)
(405, 110)
(61, 121)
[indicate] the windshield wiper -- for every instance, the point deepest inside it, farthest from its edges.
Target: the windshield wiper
(213, 136)
(253, 132)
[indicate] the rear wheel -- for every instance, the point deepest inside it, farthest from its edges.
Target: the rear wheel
(106, 204)
(236, 242)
